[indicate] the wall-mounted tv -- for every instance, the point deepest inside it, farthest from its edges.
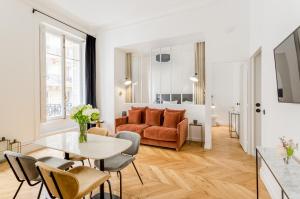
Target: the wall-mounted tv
(287, 64)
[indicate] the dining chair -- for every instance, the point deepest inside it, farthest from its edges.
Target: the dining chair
(24, 168)
(72, 184)
(119, 162)
(95, 131)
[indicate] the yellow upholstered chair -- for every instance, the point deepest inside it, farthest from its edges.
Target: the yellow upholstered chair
(98, 131)
(73, 184)
(95, 131)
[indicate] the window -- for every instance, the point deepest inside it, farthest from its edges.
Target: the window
(62, 74)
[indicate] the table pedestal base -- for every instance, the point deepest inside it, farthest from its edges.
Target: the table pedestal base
(106, 196)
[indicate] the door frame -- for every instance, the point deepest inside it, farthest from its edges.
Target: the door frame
(251, 104)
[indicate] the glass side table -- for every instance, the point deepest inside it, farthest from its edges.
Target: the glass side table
(200, 127)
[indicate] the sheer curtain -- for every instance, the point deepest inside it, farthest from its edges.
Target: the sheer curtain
(128, 76)
(199, 87)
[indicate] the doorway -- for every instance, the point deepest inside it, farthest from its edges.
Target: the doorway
(255, 107)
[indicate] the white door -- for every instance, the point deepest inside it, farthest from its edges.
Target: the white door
(257, 99)
(254, 106)
(243, 105)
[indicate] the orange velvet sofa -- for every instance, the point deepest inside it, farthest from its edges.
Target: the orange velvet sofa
(157, 135)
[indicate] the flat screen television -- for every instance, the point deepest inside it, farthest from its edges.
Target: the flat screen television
(287, 64)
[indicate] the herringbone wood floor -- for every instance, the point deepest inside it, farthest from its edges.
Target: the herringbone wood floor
(225, 172)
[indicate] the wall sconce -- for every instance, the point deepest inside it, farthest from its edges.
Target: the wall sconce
(127, 82)
(213, 106)
(194, 78)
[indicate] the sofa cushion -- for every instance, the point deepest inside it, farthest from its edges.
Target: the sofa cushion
(171, 119)
(161, 116)
(138, 128)
(161, 133)
(153, 117)
(182, 112)
(143, 115)
(134, 116)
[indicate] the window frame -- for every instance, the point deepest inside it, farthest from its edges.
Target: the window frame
(44, 29)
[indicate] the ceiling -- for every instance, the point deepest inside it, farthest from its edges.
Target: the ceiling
(112, 13)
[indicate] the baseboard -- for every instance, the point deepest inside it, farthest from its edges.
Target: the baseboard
(270, 183)
(195, 139)
(207, 146)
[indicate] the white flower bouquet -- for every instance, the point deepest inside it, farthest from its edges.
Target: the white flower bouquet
(84, 114)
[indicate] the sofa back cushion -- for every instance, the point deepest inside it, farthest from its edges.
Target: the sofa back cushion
(134, 116)
(153, 117)
(171, 119)
(143, 114)
(182, 112)
(161, 114)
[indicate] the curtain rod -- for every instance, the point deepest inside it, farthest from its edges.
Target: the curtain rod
(35, 10)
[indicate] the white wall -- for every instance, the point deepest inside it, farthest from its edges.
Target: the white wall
(271, 22)
(278, 22)
(225, 26)
(19, 69)
(226, 88)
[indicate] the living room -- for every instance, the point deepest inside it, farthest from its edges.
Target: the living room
(59, 56)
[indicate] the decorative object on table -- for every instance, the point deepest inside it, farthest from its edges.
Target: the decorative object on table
(4, 145)
(15, 146)
(83, 115)
(195, 122)
(289, 147)
(124, 113)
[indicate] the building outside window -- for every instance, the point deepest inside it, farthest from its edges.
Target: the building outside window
(62, 70)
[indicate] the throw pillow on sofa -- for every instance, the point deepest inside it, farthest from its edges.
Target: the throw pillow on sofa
(182, 112)
(153, 117)
(161, 114)
(134, 116)
(143, 109)
(171, 119)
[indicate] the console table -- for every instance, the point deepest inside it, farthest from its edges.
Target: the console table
(287, 176)
(200, 126)
(234, 123)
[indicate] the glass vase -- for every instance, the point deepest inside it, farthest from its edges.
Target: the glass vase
(83, 132)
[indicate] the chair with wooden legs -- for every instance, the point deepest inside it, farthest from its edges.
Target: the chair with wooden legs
(72, 184)
(95, 131)
(119, 162)
(24, 168)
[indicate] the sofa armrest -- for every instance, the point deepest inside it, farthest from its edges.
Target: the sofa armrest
(182, 131)
(120, 121)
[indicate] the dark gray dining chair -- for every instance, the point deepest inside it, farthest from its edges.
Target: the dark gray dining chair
(120, 161)
(24, 168)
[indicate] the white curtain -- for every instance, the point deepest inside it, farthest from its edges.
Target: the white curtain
(199, 87)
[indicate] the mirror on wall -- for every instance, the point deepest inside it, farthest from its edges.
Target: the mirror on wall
(173, 74)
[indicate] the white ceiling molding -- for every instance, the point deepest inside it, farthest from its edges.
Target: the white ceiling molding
(112, 14)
